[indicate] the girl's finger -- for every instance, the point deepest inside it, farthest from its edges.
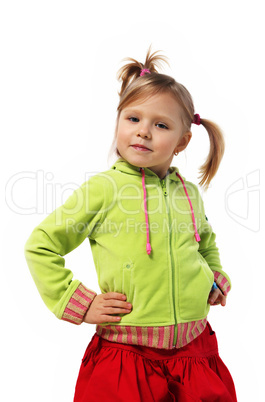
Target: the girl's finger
(110, 318)
(110, 310)
(117, 303)
(114, 295)
(214, 296)
(223, 300)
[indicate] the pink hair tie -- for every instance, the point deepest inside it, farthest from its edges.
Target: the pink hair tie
(143, 71)
(197, 119)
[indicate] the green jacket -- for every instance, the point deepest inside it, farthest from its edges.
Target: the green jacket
(168, 288)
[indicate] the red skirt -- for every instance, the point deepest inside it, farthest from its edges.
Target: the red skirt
(113, 371)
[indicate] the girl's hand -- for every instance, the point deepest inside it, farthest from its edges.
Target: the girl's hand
(105, 307)
(217, 297)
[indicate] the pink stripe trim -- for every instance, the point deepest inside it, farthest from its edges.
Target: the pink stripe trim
(202, 325)
(191, 336)
(119, 338)
(72, 313)
(139, 335)
(197, 236)
(111, 335)
(81, 294)
(222, 282)
(184, 334)
(187, 332)
(196, 331)
(171, 340)
(77, 304)
(78, 301)
(161, 332)
(157, 337)
(216, 275)
(150, 335)
(129, 334)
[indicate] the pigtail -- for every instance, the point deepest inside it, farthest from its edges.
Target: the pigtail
(131, 71)
(217, 147)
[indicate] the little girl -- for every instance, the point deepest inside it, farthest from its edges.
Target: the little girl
(155, 255)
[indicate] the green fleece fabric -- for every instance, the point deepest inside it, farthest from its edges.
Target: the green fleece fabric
(169, 286)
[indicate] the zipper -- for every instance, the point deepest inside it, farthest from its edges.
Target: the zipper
(164, 187)
(165, 192)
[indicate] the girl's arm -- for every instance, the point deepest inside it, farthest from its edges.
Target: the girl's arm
(61, 232)
(210, 252)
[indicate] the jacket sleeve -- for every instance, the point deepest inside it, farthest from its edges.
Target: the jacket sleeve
(210, 252)
(61, 232)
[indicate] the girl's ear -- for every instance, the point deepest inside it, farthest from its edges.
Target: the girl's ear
(183, 142)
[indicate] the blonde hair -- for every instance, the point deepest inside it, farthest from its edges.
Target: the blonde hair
(135, 87)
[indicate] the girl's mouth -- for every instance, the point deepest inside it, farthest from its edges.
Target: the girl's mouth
(139, 147)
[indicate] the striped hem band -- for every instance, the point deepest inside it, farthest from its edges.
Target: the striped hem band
(155, 337)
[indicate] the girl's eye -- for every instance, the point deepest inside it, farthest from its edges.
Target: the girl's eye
(134, 119)
(161, 125)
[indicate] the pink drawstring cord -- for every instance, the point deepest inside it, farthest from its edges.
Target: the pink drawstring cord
(197, 236)
(148, 245)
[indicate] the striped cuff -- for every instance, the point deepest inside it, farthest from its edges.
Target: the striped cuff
(78, 305)
(222, 282)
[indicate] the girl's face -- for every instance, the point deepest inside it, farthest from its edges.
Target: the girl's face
(149, 133)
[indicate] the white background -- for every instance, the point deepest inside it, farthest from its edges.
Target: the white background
(58, 106)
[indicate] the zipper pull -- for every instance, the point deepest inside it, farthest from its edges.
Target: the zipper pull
(164, 187)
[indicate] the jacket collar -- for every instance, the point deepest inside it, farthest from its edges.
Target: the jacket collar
(123, 166)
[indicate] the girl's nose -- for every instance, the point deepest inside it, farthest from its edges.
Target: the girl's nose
(144, 132)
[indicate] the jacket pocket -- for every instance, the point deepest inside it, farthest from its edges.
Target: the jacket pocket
(194, 290)
(207, 270)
